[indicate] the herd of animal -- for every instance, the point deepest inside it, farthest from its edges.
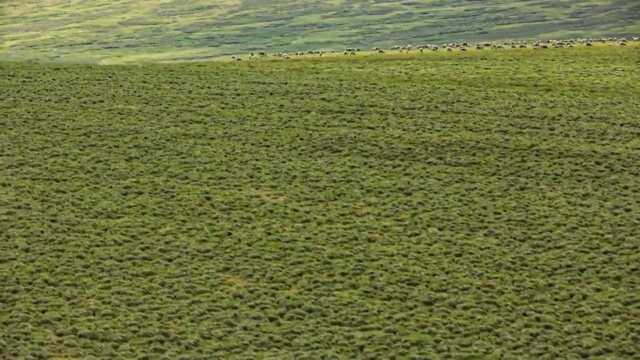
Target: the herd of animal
(456, 46)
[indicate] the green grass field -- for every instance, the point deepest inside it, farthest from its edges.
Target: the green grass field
(122, 31)
(478, 205)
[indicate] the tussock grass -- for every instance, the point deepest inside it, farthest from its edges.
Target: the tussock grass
(470, 205)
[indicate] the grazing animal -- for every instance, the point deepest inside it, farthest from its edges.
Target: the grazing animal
(462, 46)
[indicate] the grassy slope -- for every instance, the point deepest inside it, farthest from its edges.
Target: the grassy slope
(458, 204)
(126, 31)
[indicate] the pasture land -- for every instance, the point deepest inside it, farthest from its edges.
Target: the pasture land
(122, 31)
(445, 205)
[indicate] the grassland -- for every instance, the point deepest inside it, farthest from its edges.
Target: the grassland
(446, 205)
(123, 31)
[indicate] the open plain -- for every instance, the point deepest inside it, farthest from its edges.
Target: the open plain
(472, 205)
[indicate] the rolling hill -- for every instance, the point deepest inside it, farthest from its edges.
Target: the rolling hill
(170, 30)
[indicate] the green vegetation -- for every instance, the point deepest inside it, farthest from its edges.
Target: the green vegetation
(446, 205)
(121, 31)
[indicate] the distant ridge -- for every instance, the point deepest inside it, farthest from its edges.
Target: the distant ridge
(156, 30)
